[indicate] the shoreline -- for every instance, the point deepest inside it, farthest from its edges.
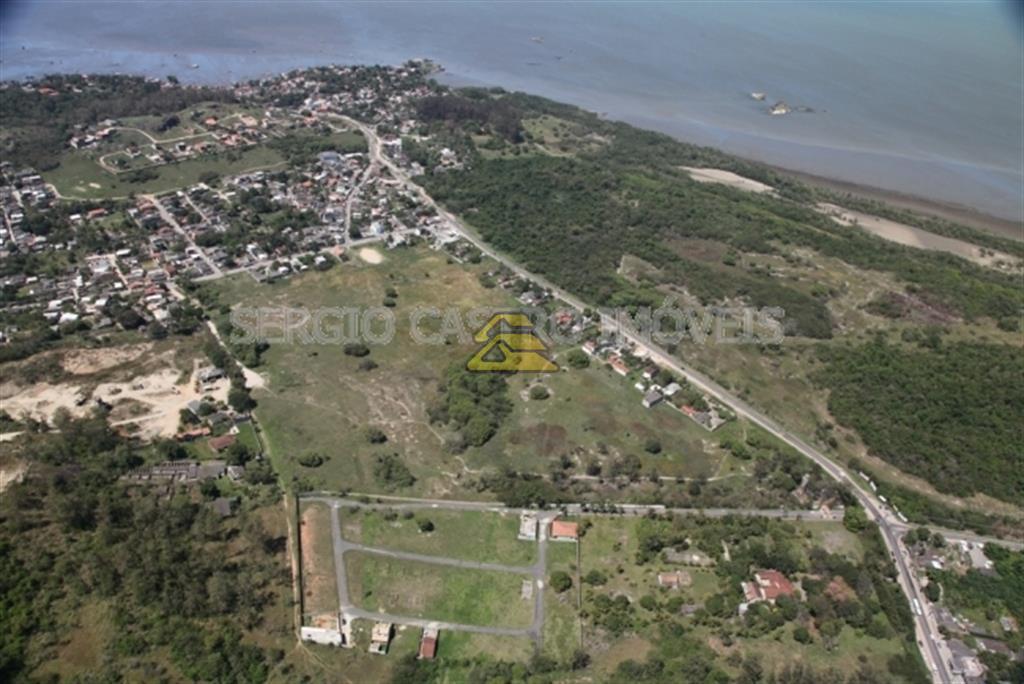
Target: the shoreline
(957, 213)
(950, 211)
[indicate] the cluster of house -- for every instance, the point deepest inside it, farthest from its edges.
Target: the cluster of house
(20, 191)
(235, 130)
(650, 382)
(557, 530)
(966, 639)
(336, 630)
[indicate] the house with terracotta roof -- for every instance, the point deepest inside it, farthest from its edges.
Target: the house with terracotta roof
(428, 643)
(768, 585)
(562, 530)
(618, 365)
(221, 443)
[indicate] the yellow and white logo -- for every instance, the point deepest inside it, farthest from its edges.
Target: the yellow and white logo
(510, 346)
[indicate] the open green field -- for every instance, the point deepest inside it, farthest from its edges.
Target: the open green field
(475, 597)
(467, 535)
(319, 400)
(596, 413)
(79, 175)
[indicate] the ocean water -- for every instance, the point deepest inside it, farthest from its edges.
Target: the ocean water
(925, 99)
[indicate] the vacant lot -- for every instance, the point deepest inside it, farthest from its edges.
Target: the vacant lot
(319, 582)
(475, 597)
(320, 399)
(467, 535)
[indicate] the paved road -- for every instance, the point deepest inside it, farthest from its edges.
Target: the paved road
(927, 633)
(378, 501)
(173, 222)
(341, 546)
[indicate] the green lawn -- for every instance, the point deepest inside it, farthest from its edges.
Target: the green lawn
(437, 592)
(468, 535)
(79, 174)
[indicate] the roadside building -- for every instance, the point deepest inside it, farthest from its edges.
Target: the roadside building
(428, 643)
(528, 526)
(562, 530)
(380, 638)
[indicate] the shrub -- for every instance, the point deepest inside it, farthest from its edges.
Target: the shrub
(539, 393)
(560, 581)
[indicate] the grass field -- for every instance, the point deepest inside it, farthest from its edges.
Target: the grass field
(318, 399)
(475, 597)
(79, 175)
(594, 412)
(467, 535)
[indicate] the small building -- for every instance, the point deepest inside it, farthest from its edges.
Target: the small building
(768, 585)
(674, 580)
(211, 374)
(965, 663)
(380, 638)
(618, 365)
(223, 506)
(211, 470)
(689, 557)
(219, 444)
(428, 643)
(528, 526)
(651, 398)
(562, 530)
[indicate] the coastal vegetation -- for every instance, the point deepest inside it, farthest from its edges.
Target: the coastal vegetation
(584, 215)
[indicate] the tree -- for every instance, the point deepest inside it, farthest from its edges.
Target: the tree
(652, 446)
(855, 519)
(802, 635)
(375, 435)
(425, 525)
(240, 400)
(539, 393)
(561, 581)
(577, 358)
(356, 349)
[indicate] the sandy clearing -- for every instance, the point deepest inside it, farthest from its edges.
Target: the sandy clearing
(165, 397)
(40, 401)
(729, 178)
(371, 255)
(916, 237)
(159, 393)
(88, 361)
(9, 476)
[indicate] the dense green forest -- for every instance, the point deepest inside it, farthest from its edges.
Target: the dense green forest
(951, 414)
(178, 581)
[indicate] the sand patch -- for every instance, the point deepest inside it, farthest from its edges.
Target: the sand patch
(912, 236)
(12, 474)
(156, 398)
(88, 361)
(729, 178)
(371, 255)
